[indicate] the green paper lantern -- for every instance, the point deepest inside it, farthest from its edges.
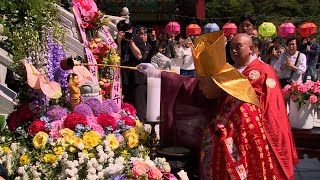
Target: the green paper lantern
(267, 29)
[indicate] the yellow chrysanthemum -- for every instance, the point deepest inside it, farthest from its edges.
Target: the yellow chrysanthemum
(66, 132)
(85, 151)
(6, 149)
(72, 149)
(76, 141)
(113, 141)
(124, 152)
(24, 160)
(40, 140)
(91, 155)
(91, 139)
(57, 150)
(143, 136)
(132, 142)
(139, 126)
(50, 158)
(131, 133)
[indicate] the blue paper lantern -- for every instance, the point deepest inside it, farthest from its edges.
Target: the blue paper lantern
(211, 27)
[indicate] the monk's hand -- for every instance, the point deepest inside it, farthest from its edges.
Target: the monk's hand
(148, 69)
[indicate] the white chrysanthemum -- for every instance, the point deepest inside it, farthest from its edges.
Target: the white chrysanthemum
(9, 163)
(106, 143)
(107, 149)
(92, 171)
(99, 168)
(110, 160)
(183, 175)
(111, 154)
(161, 160)
(80, 146)
(92, 177)
(120, 160)
(21, 170)
(3, 139)
(112, 169)
(101, 175)
(71, 172)
(17, 178)
(99, 148)
(166, 167)
(14, 147)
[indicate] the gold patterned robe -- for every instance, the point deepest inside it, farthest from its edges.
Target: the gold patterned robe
(235, 146)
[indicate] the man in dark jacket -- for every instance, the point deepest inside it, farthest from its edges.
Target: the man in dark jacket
(312, 52)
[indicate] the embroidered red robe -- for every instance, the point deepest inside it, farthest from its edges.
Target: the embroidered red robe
(274, 116)
(235, 146)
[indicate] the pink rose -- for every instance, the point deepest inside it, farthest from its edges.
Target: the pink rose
(154, 173)
(293, 97)
(313, 99)
(139, 169)
(286, 89)
(302, 88)
(120, 138)
(314, 88)
(86, 18)
(56, 126)
(84, 25)
(309, 84)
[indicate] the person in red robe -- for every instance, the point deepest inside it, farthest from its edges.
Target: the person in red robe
(234, 144)
(274, 115)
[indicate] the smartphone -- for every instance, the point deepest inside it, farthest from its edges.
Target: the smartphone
(128, 35)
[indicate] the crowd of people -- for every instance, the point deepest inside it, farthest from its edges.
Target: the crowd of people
(165, 50)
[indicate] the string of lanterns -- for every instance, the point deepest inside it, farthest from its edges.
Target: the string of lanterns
(266, 29)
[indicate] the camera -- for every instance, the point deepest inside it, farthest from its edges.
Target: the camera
(128, 35)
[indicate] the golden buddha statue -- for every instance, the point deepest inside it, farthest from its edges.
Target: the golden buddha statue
(73, 80)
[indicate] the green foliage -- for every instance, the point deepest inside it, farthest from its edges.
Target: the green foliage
(276, 11)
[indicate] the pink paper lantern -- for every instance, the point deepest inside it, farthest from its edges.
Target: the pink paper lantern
(193, 29)
(286, 29)
(307, 29)
(173, 28)
(230, 28)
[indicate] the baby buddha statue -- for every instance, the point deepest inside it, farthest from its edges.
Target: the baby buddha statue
(75, 96)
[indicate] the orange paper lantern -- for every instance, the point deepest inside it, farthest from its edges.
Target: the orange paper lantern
(193, 29)
(307, 29)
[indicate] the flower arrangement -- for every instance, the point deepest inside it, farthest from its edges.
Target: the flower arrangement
(301, 93)
(88, 143)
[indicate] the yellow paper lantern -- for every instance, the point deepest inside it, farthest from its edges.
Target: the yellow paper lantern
(267, 29)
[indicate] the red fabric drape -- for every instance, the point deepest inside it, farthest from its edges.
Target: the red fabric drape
(200, 6)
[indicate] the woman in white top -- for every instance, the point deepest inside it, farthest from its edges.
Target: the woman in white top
(287, 67)
(187, 66)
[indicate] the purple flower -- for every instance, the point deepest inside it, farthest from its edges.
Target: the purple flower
(113, 105)
(57, 113)
(121, 177)
(105, 108)
(94, 103)
(83, 109)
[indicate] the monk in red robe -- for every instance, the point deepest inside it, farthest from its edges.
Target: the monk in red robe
(234, 144)
(274, 115)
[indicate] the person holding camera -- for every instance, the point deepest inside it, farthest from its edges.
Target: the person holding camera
(134, 83)
(291, 64)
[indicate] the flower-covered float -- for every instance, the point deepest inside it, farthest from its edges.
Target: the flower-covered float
(57, 131)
